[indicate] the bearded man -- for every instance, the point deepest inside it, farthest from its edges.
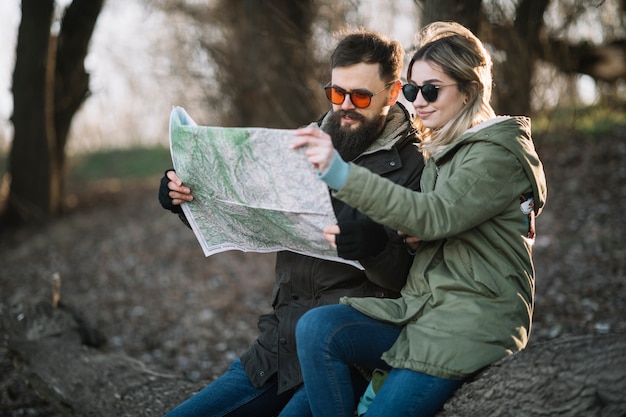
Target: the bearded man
(370, 128)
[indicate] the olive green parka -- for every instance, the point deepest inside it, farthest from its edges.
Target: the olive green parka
(469, 297)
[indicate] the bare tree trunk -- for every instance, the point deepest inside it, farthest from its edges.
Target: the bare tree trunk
(266, 62)
(49, 85)
(71, 86)
(31, 193)
(513, 76)
(467, 13)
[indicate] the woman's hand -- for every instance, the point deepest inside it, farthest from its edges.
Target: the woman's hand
(410, 241)
(319, 146)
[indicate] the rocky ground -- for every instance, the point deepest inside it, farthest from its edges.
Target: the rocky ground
(139, 276)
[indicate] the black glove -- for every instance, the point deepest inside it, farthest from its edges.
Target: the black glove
(164, 197)
(360, 239)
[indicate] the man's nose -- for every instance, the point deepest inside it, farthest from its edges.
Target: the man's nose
(347, 103)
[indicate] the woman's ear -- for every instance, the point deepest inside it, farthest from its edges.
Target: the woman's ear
(395, 90)
(472, 92)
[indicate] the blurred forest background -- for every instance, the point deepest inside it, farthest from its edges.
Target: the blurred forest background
(91, 75)
(86, 88)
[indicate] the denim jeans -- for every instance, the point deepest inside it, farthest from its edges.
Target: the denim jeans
(233, 395)
(330, 338)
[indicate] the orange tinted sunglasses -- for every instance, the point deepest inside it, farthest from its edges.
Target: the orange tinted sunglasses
(360, 98)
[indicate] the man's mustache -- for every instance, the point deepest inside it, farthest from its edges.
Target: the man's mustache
(350, 113)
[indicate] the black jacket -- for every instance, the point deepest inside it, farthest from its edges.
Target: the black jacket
(304, 282)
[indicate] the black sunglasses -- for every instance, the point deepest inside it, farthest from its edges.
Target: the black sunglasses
(430, 92)
(360, 98)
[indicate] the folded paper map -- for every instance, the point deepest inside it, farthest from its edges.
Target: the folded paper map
(251, 191)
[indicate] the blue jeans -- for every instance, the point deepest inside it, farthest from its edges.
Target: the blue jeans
(330, 338)
(233, 395)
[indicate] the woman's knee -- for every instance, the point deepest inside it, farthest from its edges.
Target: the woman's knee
(316, 323)
(308, 324)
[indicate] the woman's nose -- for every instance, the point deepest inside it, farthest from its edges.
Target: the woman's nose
(419, 101)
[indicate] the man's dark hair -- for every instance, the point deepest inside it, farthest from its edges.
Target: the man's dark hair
(364, 46)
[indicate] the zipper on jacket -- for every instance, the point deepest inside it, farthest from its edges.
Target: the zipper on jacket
(436, 173)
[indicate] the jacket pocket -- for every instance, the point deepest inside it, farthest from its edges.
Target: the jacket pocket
(471, 269)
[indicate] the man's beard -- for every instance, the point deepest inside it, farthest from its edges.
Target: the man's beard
(351, 143)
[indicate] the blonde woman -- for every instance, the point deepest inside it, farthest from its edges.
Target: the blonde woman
(468, 300)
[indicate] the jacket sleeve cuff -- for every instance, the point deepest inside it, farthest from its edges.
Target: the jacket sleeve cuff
(337, 173)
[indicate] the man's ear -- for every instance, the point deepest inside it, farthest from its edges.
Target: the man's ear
(394, 90)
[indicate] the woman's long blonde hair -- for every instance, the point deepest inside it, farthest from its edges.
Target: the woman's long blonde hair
(462, 56)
